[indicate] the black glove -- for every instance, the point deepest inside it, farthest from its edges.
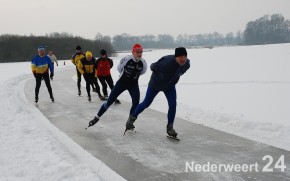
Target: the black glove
(51, 75)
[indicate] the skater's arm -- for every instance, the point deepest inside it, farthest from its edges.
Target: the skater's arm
(55, 59)
(122, 64)
(80, 67)
(96, 64)
(34, 66)
(144, 66)
(73, 60)
(186, 66)
(155, 66)
(51, 68)
(111, 63)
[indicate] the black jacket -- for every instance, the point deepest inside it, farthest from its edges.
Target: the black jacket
(166, 72)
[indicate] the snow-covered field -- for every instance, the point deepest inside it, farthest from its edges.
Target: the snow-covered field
(240, 90)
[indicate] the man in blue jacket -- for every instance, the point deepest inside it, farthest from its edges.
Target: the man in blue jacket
(39, 66)
(165, 74)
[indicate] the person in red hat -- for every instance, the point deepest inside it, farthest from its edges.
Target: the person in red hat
(130, 68)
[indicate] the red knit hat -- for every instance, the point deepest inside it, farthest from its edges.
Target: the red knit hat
(137, 47)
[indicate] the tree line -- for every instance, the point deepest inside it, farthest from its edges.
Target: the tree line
(125, 41)
(265, 30)
(16, 48)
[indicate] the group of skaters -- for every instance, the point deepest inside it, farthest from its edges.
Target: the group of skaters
(165, 75)
(93, 70)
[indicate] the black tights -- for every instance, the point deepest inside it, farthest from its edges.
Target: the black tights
(38, 78)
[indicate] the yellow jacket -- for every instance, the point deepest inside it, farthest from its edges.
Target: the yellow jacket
(85, 66)
(41, 65)
(77, 57)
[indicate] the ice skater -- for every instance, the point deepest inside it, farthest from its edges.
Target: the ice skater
(165, 74)
(130, 68)
(40, 65)
(103, 70)
(53, 59)
(75, 60)
(86, 66)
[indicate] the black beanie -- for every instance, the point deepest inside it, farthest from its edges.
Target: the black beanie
(103, 52)
(78, 47)
(180, 51)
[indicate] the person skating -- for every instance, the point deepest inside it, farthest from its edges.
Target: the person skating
(75, 60)
(103, 71)
(53, 59)
(86, 66)
(165, 75)
(40, 65)
(130, 68)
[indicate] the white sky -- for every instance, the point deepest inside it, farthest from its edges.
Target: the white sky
(111, 17)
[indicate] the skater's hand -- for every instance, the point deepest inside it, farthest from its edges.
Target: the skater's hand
(51, 75)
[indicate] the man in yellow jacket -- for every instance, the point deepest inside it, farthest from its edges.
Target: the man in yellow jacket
(86, 66)
(75, 60)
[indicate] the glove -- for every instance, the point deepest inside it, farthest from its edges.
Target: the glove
(51, 75)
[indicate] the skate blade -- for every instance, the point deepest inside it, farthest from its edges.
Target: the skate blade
(130, 131)
(174, 138)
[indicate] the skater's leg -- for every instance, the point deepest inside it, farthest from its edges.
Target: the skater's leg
(38, 78)
(118, 89)
(52, 73)
(89, 81)
(79, 76)
(47, 83)
(97, 86)
(135, 96)
(171, 99)
(110, 81)
(104, 85)
(150, 95)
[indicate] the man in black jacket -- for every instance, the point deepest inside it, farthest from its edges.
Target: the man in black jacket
(165, 74)
(130, 68)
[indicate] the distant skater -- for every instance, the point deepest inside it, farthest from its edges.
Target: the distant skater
(86, 66)
(75, 60)
(103, 71)
(40, 65)
(53, 59)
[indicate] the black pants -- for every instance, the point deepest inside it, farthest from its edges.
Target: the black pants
(38, 78)
(109, 80)
(97, 87)
(118, 89)
(79, 76)
(90, 80)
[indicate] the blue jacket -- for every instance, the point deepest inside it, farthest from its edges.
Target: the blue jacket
(166, 72)
(41, 65)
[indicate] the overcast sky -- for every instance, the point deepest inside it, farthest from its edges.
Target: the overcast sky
(136, 17)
